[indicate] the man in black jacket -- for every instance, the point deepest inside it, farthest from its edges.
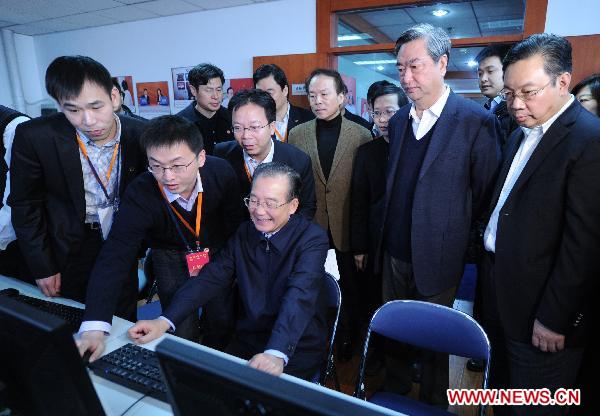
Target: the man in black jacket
(278, 259)
(368, 190)
(68, 173)
(272, 79)
(253, 114)
(206, 85)
(491, 82)
(11, 259)
(185, 208)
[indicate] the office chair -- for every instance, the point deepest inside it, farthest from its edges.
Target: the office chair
(429, 326)
(333, 300)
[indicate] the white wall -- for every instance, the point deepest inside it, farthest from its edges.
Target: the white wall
(148, 49)
(573, 18)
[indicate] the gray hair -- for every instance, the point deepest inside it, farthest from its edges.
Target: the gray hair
(276, 169)
(438, 41)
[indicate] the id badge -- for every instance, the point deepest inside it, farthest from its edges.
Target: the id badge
(196, 261)
(106, 213)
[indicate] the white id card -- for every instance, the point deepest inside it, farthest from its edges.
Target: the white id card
(106, 218)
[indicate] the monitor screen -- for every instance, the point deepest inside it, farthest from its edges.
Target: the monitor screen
(41, 372)
(198, 377)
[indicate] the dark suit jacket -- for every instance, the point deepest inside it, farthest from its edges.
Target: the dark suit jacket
(144, 216)
(453, 188)
(507, 123)
(47, 196)
(298, 115)
(548, 235)
(279, 281)
(359, 120)
(283, 152)
(368, 190)
(223, 131)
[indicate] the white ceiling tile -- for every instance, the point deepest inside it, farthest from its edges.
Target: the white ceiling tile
(127, 13)
(131, 1)
(29, 29)
(168, 7)
(219, 4)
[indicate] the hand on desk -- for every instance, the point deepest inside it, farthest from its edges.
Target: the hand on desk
(92, 341)
(50, 286)
(146, 331)
(267, 363)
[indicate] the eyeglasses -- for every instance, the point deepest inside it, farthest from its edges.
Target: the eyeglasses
(523, 96)
(387, 113)
(159, 170)
(251, 129)
(255, 203)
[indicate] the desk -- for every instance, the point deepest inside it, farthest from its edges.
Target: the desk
(116, 399)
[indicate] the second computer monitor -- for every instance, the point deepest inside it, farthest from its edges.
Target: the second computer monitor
(201, 379)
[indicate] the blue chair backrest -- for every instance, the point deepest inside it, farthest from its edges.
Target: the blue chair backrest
(333, 295)
(431, 326)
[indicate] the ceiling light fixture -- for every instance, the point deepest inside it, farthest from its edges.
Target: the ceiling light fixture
(440, 12)
(354, 36)
(472, 63)
(380, 67)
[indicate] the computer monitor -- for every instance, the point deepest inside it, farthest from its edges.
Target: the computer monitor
(201, 379)
(41, 371)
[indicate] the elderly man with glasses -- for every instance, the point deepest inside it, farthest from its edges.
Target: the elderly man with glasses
(278, 259)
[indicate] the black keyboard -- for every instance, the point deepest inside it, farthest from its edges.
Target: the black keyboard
(133, 367)
(70, 314)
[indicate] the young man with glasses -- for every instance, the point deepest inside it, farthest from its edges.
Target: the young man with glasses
(68, 174)
(213, 120)
(278, 260)
(368, 188)
(185, 208)
(542, 239)
(253, 114)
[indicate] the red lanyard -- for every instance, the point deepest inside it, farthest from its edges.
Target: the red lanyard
(196, 232)
(110, 167)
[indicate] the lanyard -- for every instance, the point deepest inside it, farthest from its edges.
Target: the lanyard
(247, 172)
(108, 173)
(281, 138)
(172, 211)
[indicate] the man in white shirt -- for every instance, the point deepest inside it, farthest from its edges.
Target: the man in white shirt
(542, 240)
(443, 160)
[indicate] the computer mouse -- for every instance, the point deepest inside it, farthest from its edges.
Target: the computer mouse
(10, 292)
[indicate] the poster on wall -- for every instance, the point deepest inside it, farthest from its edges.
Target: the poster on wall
(233, 85)
(365, 110)
(182, 96)
(127, 93)
(153, 98)
(351, 96)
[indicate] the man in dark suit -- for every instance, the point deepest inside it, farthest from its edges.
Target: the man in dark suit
(368, 190)
(278, 259)
(491, 82)
(272, 79)
(68, 173)
(542, 240)
(444, 156)
(11, 259)
(213, 120)
(161, 207)
(255, 110)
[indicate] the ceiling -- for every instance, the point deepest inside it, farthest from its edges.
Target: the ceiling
(37, 17)
(463, 19)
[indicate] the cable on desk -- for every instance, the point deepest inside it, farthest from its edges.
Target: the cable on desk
(136, 402)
